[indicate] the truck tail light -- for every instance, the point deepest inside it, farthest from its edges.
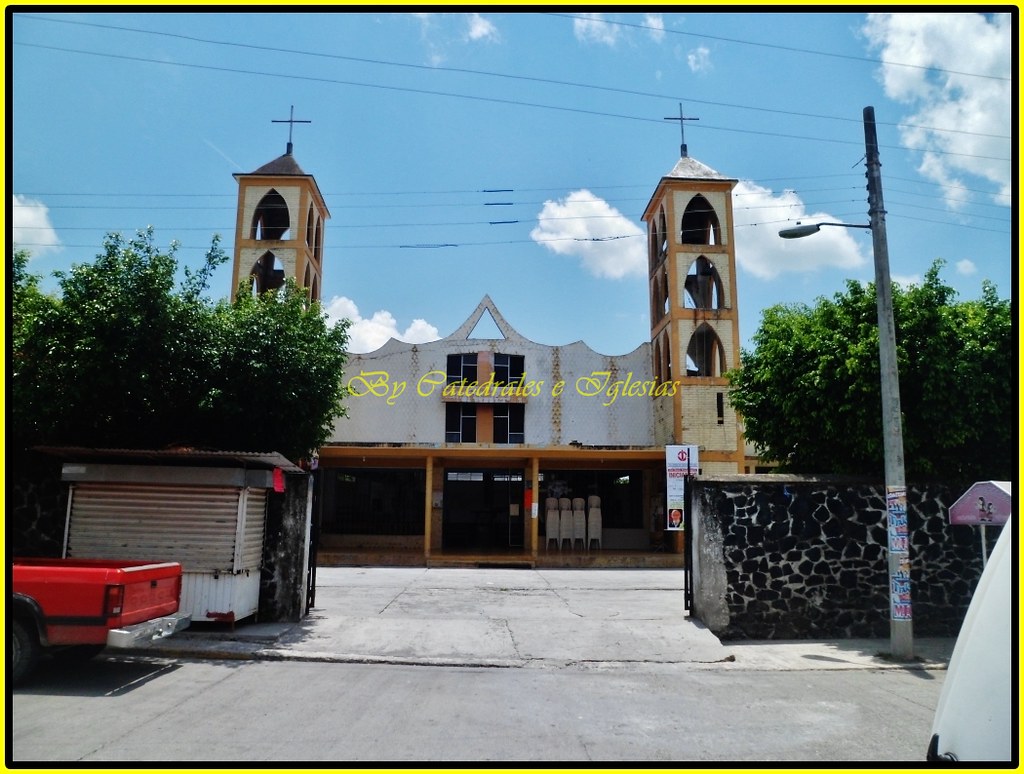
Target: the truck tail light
(113, 602)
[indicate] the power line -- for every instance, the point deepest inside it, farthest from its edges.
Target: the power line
(478, 98)
(517, 189)
(549, 81)
(791, 49)
(738, 197)
(559, 189)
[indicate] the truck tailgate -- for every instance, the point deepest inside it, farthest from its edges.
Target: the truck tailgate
(149, 597)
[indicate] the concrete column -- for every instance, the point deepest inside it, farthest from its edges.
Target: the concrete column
(428, 507)
(535, 508)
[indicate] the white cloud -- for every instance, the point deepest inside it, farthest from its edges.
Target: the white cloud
(759, 215)
(31, 227)
(953, 71)
(592, 28)
(480, 28)
(699, 59)
(369, 334)
(906, 280)
(441, 32)
(583, 225)
(655, 24)
(966, 267)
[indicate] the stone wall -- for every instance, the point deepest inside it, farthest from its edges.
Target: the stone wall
(36, 505)
(781, 557)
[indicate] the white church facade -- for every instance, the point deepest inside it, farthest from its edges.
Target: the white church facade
(465, 447)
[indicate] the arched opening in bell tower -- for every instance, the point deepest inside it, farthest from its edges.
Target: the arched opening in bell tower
(703, 285)
(310, 282)
(705, 355)
(267, 273)
(700, 225)
(270, 220)
(658, 248)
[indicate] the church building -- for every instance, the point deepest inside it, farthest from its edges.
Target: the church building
(487, 447)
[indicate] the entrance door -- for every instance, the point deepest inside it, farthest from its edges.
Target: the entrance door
(483, 510)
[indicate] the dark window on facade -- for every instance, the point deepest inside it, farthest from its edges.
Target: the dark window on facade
(508, 368)
(510, 423)
(373, 501)
(462, 368)
(460, 423)
(720, 400)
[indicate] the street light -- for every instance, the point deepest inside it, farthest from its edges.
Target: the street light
(802, 230)
(900, 619)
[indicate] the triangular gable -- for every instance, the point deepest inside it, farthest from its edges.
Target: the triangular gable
(486, 328)
(493, 328)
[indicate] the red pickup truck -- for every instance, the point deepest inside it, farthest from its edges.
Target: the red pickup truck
(76, 607)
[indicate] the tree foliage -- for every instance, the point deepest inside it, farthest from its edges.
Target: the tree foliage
(125, 356)
(810, 392)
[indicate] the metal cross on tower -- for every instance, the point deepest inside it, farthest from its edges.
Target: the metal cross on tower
(682, 128)
(292, 120)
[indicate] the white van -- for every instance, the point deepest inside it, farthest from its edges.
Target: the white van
(974, 716)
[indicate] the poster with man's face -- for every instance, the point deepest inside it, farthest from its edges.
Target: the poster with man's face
(680, 462)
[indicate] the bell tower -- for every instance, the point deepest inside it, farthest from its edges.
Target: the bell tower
(694, 314)
(279, 227)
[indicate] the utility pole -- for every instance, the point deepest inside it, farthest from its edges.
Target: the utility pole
(900, 616)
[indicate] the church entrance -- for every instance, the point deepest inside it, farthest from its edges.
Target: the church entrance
(483, 510)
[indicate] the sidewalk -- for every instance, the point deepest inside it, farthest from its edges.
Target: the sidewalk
(585, 619)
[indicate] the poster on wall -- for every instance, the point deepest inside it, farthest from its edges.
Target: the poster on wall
(680, 463)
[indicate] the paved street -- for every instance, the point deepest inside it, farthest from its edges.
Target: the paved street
(431, 665)
(242, 711)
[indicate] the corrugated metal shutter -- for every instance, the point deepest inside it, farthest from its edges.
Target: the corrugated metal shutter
(195, 526)
(255, 524)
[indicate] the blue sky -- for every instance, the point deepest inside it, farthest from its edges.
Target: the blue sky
(429, 129)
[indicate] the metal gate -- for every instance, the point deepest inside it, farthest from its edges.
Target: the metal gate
(688, 547)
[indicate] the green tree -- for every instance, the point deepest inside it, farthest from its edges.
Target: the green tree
(278, 380)
(124, 356)
(810, 394)
(28, 305)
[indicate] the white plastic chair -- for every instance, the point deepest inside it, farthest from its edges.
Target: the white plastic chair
(565, 531)
(564, 504)
(577, 503)
(594, 527)
(551, 530)
(594, 501)
(579, 528)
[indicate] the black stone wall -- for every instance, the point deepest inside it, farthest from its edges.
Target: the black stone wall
(808, 558)
(36, 503)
